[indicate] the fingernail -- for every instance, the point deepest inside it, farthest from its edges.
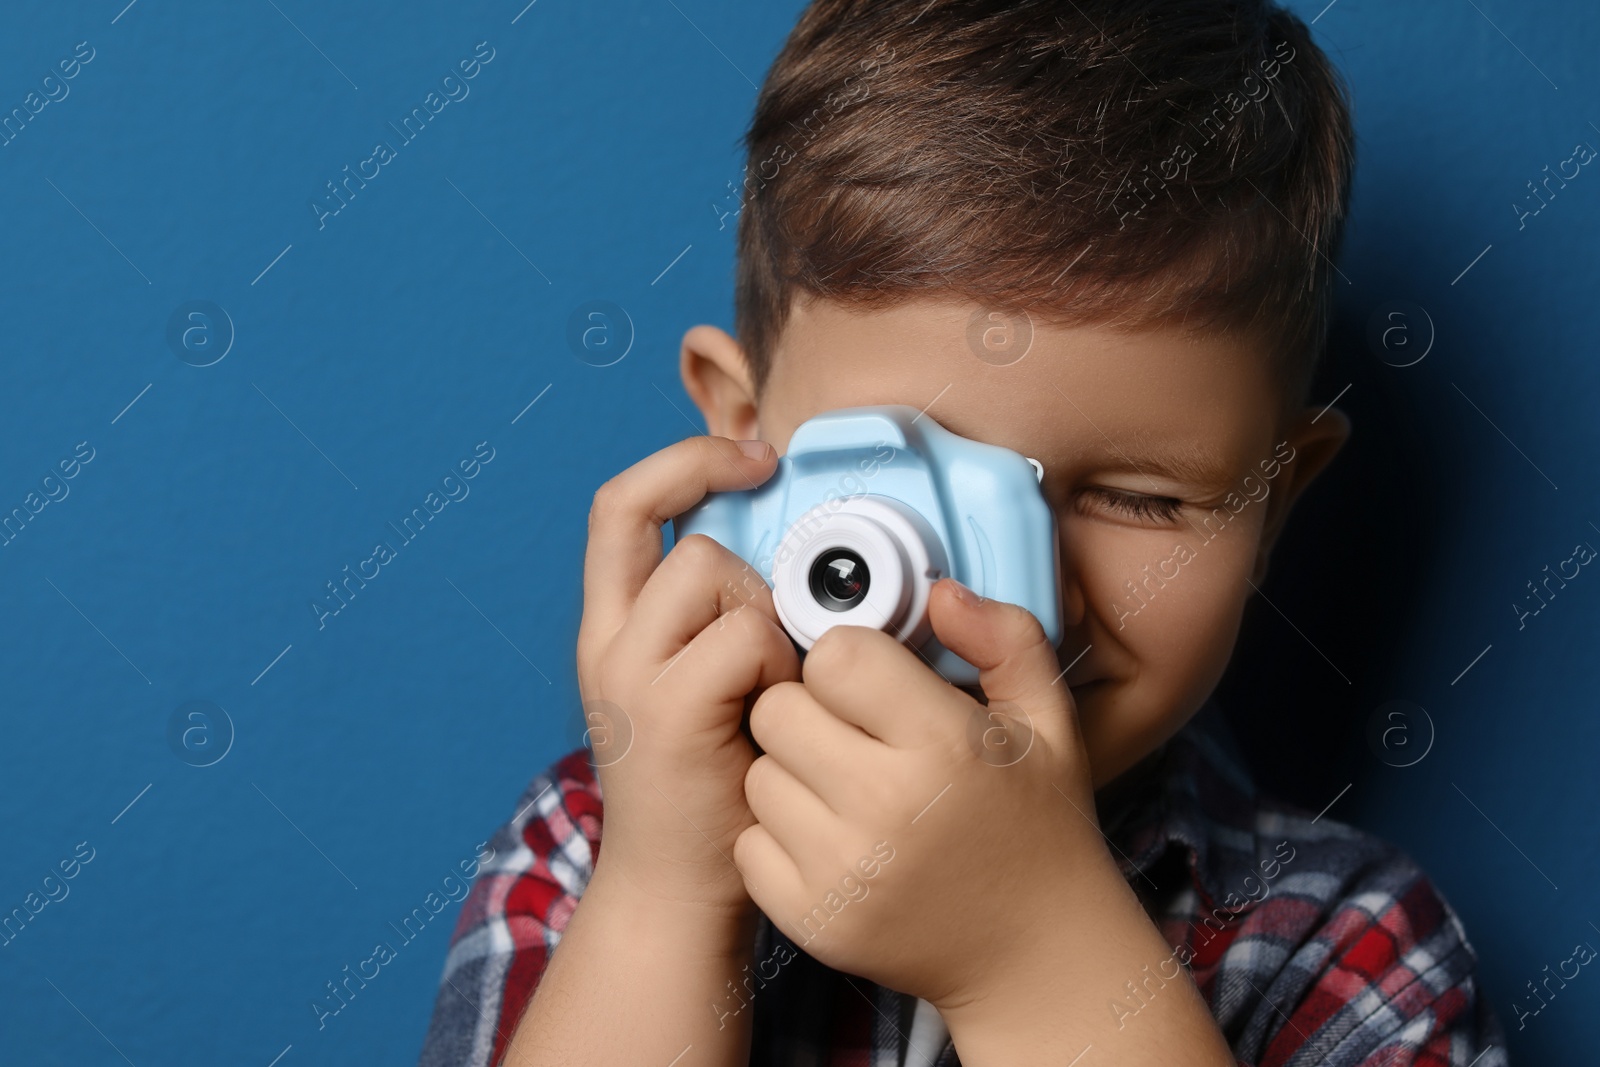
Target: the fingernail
(753, 449)
(963, 594)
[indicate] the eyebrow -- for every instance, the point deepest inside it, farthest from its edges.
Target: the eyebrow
(1189, 465)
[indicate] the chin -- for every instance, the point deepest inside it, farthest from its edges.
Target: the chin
(1106, 748)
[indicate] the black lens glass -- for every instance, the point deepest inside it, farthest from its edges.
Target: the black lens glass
(839, 579)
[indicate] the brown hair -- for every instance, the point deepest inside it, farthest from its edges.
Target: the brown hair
(1126, 163)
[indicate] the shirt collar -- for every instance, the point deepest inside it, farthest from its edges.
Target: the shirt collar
(1192, 794)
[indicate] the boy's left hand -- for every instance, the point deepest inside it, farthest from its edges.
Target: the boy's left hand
(989, 811)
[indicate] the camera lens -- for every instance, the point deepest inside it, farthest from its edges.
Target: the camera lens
(839, 579)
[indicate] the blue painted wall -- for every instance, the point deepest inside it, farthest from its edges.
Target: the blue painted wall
(260, 793)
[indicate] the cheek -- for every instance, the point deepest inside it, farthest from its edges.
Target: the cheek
(1167, 640)
(1146, 586)
(1187, 633)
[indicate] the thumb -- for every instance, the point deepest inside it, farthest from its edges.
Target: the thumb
(1016, 662)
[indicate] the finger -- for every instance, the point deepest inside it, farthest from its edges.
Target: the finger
(770, 876)
(871, 680)
(742, 652)
(624, 540)
(797, 818)
(697, 583)
(1016, 661)
(826, 754)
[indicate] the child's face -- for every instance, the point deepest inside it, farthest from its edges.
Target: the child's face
(1125, 425)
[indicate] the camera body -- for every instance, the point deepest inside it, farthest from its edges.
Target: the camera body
(869, 508)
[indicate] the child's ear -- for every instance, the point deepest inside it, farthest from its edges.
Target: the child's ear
(1316, 435)
(716, 376)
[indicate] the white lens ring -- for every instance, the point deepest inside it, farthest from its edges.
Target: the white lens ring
(885, 601)
(902, 554)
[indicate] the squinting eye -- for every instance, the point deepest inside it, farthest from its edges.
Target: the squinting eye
(1137, 505)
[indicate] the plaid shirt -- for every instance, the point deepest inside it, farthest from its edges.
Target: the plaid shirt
(1312, 942)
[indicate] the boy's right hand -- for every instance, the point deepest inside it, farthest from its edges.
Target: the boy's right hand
(668, 650)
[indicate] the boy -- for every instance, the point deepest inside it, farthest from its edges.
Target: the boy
(1097, 232)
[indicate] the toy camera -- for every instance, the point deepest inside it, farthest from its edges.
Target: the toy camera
(869, 508)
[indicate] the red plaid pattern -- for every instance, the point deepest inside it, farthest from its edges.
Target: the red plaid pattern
(1312, 942)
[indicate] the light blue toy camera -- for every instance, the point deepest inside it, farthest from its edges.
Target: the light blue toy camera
(869, 508)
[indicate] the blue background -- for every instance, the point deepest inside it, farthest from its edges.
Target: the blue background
(591, 161)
